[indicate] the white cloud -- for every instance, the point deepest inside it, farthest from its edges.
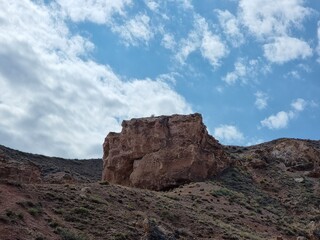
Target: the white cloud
(285, 49)
(152, 5)
(231, 27)
(187, 46)
(245, 70)
(212, 48)
(219, 89)
(261, 100)
(282, 118)
(97, 11)
(132, 30)
(228, 134)
(168, 41)
(299, 104)
(293, 74)
(53, 99)
(278, 121)
(265, 18)
(240, 71)
(186, 4)
(201, 38)
(135, 30)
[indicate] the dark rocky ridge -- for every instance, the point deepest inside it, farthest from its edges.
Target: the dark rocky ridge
(51, 168)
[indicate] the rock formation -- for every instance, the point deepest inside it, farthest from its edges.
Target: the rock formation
(162, 152)
(30, 168)
(20, 172)
(296, 155)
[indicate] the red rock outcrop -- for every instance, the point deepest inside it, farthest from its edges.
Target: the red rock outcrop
(20, 172)
(162, 152)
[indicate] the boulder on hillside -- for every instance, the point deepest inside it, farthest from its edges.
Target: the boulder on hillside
(162, 152)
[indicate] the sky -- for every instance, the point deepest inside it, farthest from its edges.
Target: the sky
(72, 70)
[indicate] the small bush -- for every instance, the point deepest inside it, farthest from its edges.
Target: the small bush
(81, 211)
(104, 183)
(14, 183)
(221, 192)
(120, 236)
(65, 234)
(169, 216)
(54, 224)
(11, 217)
(40, 238)
(96, 199)
(58, 211)
(35, 209)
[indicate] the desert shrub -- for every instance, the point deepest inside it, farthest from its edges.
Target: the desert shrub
(222, 192)
(71, 218)
(40, 238)
(169, 216)
(53, 197)
(4, 219)
(120, 236)
(81, 211)
(54, 224)
(172, 197)
(11, 217)
(35, 209)
(58, 210)
(104, 183)
(96, 199)
(14, 183)
(65, 234)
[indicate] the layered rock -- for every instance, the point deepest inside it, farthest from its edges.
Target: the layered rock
(162, 152)
(295, 155)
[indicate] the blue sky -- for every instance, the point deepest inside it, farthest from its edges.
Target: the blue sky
(71, 71)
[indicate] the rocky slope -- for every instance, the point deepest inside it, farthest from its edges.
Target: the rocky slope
(33, 168)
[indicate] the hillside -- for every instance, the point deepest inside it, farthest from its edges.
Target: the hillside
(50, 168)
(260, 197)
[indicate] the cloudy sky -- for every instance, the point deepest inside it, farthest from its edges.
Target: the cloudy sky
(72, 70)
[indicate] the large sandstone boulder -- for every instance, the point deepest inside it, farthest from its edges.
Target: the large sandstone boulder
(162, 152)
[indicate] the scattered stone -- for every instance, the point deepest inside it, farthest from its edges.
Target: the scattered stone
(258, 164)
(301, 238)
(155, 232)
(59, 178)
(299, 180)
(85, 191)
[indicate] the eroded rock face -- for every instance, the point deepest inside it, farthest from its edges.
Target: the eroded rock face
(20, 172)
(162, 152)
(294, 155)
